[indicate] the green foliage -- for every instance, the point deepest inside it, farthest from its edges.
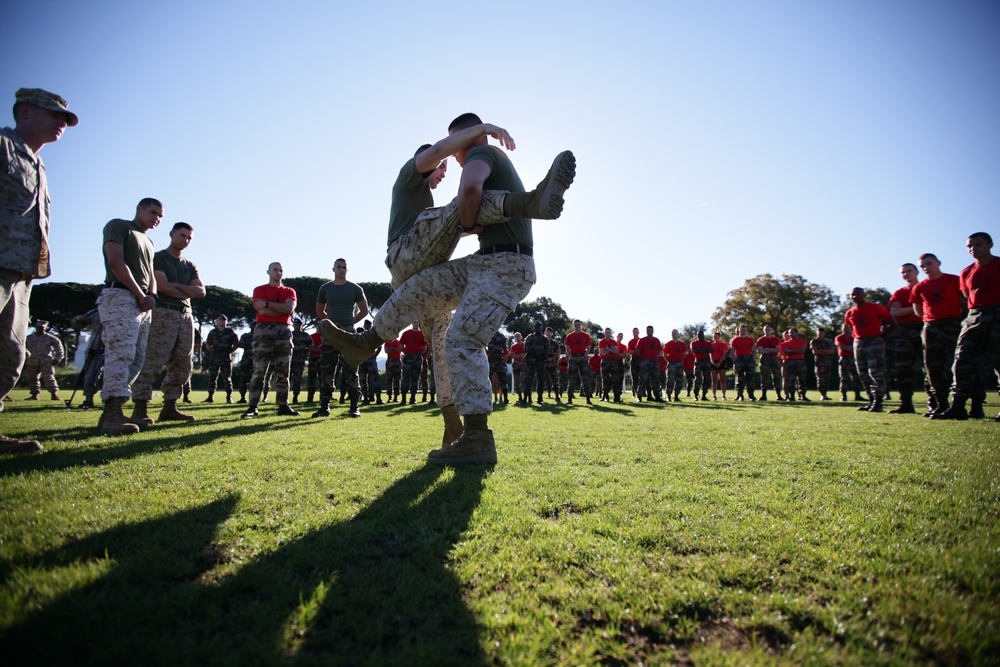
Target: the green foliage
(306, 288)
(376, 293)
(690, 533)
(522, 318)
(873, 294)
(59, 303)
(237, 306)
(690, 331)
(785, 302)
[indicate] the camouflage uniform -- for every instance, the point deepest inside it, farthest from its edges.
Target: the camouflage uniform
(272, 347)
(412, 365)
(536, 351)
(939, 338)
(246, 362)
(770, 372)
(675, 377)
(125, 332)
(907, 345)
(579, 371)
(596, 379)
(393, 377)
(45, 350)
(368, 375)
(496, 355)
(869, 355)
(484, 288)
(517, 370)
(611, 378)
(823, 363)
(794, 374)
(649, 378)
(170, 343)
(301, 342)
(849, 378)
(978, 339)
(220, 362)
(24, 251)
(551, 361)
(744, 368)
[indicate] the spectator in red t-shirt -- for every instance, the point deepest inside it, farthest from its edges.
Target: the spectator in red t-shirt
(980, 335)
(393, 368)
(770, 366)
(414, 346)
(702, 351)
(675, 350)
(516, 356)
(939, 302)
(689, 372)
(793, 354)
(743, 363)
(907, 348)
(578, 343)
(648, 349)
(272, 339)
(849, 378)
(634, 361)
(719, 366)
(869, 323)
(607, 347)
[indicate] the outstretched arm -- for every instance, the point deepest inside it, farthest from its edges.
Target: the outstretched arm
(430, 158)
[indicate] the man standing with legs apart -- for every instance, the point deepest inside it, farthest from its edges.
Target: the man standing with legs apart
(577, 344)
(46, 351)
(939, 302)
(272, 340)
(849, 378)
(343, 303)
(39, 118)
(743, 363)
(221, 342)
(126, 306)
(171, 332)
(980, 335)
(869, 323)
(769, 346)
(824, 350)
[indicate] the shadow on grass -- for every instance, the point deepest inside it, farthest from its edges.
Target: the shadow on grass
(114, 448)
(372, 590)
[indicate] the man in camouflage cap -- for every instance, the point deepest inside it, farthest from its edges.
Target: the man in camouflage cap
(40, 118)
(46, 350)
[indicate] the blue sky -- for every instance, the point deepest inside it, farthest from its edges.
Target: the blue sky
(715, 140)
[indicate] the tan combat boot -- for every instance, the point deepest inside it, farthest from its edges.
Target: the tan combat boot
(545, 202)
(476, 445)
(453, 428)
(113, 421)
(170, 413)
(140, 414)
(354, 348)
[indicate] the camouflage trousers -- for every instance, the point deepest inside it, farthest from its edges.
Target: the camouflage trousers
(220, 371)
(770, 373)
(596, 382)
(40, 367)
(393, 375)
(412, 363)
(743, 368)
(517, 371)
(15, 292)
(534, 376)
(125, 331)
(939, 338)
(500, 371)
(675, 377)
(793, 373)
(849, 378)
(295, 370)
(978, 340)
(272, 347)
(170, 344)
(907, 345)
(702, 376)
(649, 377)
(563, 381)
(634, 372)
(483, 290)
(823, 369)
(610, 378)
(368, 375)
(689, 378)
(435, 235)
(551, 378)
(329, 361)
(869, 355)
(246, 372)
(579, 374)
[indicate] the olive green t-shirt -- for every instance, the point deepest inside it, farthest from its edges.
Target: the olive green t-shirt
(178, 270)
(411, 195)
(339, 301)
(138, 252)
(502, 177)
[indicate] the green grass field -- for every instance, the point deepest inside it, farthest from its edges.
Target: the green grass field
(699, 533)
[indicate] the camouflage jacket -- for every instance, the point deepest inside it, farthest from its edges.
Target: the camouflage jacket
(24, 208)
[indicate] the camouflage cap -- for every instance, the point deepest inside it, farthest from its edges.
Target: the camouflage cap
(46, 100)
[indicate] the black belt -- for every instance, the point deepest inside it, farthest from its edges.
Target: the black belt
(173, 306)
(507, 247)
(117, 285)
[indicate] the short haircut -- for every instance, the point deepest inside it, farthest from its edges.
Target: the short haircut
(575, 321)
(909, 264)
(466, 120)
(982, 235)
(181, 225)
(928, 255)
(421, 149)
(146, 202)
(339, 259)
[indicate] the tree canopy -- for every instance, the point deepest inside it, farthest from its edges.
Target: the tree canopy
(59, 303)
(237, 306)
(785, 302)
(522, 319)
